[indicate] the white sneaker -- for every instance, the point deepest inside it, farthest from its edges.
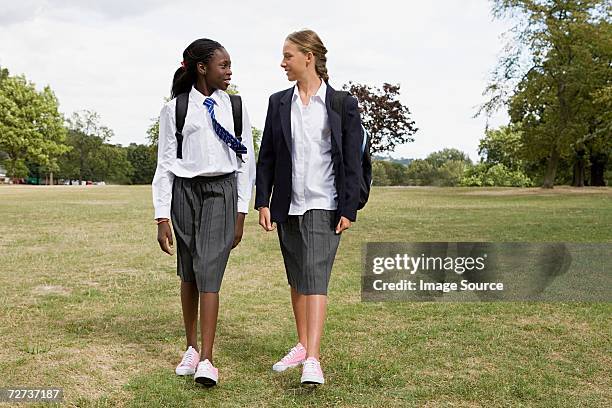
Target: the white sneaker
(188, 364)
(311, 372)
(206, 374)
(294, 358)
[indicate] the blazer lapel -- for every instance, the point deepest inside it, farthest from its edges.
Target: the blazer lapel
(334, 118)
(285, 116)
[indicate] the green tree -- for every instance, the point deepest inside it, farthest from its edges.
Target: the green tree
(420, 173)
(437, 159)
(451, 173)
(86, 136)
(556, 60)
(144, 161)
(503, 145)
(31, 127)
(379, 174)
(110, 163)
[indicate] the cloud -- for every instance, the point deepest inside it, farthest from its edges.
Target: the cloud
(118, 57)
(21, 11)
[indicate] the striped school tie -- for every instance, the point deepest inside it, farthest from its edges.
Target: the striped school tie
(223, 134)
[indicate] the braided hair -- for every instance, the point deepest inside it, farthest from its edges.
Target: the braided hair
(185, 77)
(309, 41)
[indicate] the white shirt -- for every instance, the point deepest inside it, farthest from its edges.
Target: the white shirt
(204, 153)
(313, 172)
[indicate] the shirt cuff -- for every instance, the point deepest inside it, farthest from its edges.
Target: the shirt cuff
(162, 212)
(243, 207)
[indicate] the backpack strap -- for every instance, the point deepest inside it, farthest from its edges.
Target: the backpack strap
(338, 104)
(182, 101)
(180, 114)
(236, 101)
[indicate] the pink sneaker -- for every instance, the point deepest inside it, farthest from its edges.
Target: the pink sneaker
(206, 374)
(311, 372)
(294, 358)
(188, 364)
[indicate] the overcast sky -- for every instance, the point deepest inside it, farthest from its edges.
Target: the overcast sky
(117, 57)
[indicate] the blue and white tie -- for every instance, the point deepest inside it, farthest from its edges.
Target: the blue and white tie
(223, 134)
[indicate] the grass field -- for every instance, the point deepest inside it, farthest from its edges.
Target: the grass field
(89, 303)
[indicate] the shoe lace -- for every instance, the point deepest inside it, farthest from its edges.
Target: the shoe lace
(291, 354)
(188, 358)
(310, 365)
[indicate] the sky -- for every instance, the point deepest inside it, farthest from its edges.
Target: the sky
(117, 57)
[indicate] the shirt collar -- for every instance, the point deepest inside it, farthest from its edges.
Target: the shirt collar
(321, 92)
(199, 98)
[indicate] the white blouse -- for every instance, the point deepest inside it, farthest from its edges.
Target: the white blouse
(204, 153)
(312, 179)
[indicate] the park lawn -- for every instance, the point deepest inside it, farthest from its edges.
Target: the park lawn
(89, 303)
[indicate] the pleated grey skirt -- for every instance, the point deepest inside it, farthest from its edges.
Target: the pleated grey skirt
(204, 213)
(309, 243)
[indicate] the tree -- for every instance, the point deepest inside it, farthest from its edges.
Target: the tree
(143, 160)
(379, 174)
(86, 136)
(501, 160)
(110, 163)
(4, 74)
(31, 127)
(153, 133)
(437, 159)
(420, 173)
(383, 115)
(556, 59)
(442, 168)
(496, 175)
(256, 140)
(451, 173)
(502, 146)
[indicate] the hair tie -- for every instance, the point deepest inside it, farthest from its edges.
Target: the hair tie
(184, 65)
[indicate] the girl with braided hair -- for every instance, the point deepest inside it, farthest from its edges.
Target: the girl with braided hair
(202, 188)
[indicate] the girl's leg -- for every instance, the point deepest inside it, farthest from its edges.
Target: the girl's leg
(316, 307)
(209, 310)
(300, 312)
(189, 302)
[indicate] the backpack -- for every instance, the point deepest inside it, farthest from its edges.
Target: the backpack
(182, 100)
(366, 159)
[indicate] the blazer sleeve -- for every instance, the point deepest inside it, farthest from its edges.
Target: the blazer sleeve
(265, 163)
(351, 153)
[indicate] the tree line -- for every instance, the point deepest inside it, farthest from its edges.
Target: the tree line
(38, 144)
(554, 78)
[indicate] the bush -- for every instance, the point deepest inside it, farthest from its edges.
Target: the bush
(497, 175)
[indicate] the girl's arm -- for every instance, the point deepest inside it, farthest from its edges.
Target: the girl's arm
(265, 163)
(246, 170)
(162, 181)
(351, 152)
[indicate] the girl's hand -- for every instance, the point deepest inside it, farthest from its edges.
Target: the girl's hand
(265, 219)
(239, 229)
(344, 224)
(164, 237)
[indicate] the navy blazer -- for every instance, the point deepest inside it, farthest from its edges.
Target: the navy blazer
(274, 165)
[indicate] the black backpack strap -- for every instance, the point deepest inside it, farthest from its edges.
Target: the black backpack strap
(338, 104)
(237, 114)
(236, 101)
(181, 112)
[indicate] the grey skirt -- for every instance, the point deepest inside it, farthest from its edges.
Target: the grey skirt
(309, 243)
(204, 213)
